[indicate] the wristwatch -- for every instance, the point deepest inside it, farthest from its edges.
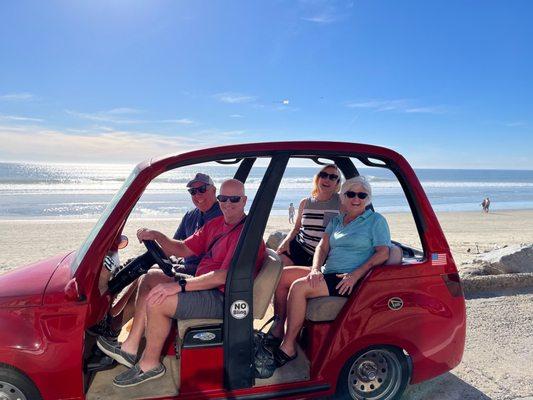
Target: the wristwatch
(182, 282)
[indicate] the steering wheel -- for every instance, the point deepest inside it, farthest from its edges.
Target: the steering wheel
(159, 257)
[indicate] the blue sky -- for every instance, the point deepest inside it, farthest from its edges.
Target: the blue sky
(449, 84)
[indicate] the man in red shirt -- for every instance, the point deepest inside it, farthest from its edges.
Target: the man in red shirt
(160, 299)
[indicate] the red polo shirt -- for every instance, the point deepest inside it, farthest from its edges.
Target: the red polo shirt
(221, 253)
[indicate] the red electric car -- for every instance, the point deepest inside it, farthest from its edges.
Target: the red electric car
(404, 323)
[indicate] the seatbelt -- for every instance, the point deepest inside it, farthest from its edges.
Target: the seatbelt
(219, 237)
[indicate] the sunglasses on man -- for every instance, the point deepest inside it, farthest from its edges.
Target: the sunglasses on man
(234, 199)
(199, 189)
(350, 194)
(331, 177)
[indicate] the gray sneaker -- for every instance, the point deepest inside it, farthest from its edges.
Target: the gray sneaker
(135, 376)
(113, 350)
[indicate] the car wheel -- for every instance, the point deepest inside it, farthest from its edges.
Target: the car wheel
(376, 373)
(16, 386)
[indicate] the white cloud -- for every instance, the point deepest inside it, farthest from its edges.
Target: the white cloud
(236, 116)
(102, 144)
(17, 118)
(122, 110)
(515, 124)
(234, 98)
(399, 105)
(322, 19)
(17, 97)
(120, 116)
(181, 121)
(324, 12)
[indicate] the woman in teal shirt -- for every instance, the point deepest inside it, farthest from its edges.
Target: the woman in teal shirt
(354, 242)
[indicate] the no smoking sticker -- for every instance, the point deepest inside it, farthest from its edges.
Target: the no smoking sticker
(239, 309)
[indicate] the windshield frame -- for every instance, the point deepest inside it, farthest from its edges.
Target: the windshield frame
(82, 251)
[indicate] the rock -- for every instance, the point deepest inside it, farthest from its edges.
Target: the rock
(275, 239)
(505, 260)
(477, 284)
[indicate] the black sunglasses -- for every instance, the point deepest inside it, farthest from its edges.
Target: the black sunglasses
(331, 177)
(351, 195)
(234, 199)
(199, 189)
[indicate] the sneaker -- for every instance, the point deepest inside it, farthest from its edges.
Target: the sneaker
(135, 376)
(113, 350)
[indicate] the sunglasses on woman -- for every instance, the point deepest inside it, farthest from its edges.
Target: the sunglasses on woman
(234, 199)
(199, 189)
(350, 194)
(331, 177)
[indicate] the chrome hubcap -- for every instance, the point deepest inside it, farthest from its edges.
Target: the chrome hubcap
(10, 392)
(376, 374)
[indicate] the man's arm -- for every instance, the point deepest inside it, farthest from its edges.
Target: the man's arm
(207, 281)
(171, 247)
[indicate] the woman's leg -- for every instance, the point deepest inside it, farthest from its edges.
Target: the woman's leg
(288, 276)
(299, 292)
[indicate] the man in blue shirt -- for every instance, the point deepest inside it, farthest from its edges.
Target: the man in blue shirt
(203, 194)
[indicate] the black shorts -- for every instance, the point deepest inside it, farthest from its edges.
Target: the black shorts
(333, 280)
(298, 254)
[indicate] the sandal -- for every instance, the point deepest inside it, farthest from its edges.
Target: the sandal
(281, 358)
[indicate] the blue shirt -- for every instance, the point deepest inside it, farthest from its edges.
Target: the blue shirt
(352, 244)
(191, 222)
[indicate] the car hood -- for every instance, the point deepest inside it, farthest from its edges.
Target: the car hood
(24, 286)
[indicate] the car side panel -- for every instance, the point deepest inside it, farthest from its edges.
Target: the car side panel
(46, 344)
(430, 326)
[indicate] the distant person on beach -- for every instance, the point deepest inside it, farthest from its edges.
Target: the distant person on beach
(291, 213)
(485, 204)
(314, 214)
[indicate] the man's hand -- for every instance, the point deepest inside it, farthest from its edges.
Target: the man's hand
(314, 277)
(160, 292)
(147, 234)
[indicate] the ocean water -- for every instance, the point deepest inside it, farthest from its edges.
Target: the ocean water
(64, 191)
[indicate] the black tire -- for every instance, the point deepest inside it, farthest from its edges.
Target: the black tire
(376, 373)
(15, 385)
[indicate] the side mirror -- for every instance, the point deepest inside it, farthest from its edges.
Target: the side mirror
(123, 242)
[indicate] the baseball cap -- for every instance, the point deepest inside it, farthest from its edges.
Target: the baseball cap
(202, 178)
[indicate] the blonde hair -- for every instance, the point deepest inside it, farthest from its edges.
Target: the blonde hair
(314, 192)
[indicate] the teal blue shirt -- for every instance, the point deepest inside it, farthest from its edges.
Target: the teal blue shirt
(352, 244)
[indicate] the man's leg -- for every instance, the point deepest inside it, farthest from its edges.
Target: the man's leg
(288, 276)
(299, 292)
(158, 323)
(149, 281)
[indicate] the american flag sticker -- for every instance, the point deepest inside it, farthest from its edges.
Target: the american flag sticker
(438, 259)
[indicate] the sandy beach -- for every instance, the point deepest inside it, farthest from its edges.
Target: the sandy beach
(490, 368)
(468, 233)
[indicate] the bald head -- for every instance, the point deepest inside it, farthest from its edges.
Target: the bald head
(232, 189)
(234, 186)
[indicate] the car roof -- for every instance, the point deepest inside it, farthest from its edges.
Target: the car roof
(268, 148)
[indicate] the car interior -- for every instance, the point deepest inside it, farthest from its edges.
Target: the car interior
(100, 372)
